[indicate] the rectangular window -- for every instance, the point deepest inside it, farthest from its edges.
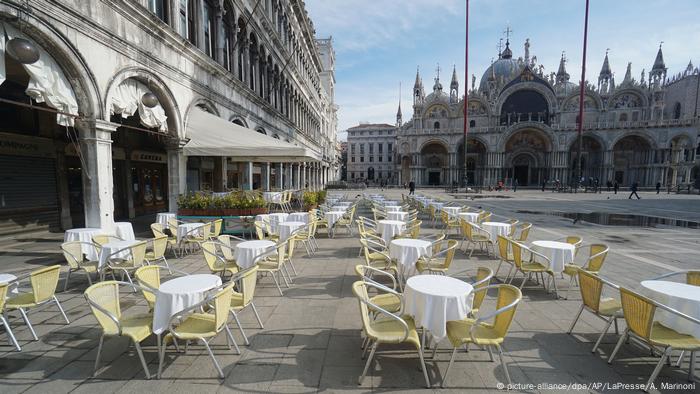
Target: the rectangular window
(352, 174)
(208, 17)
(183, 18)
(371, 148)
(371, 159)
(352, 149)
(381, 148)
(380, 158)
(362, 159)
(362, 149)
(159, 8)
(352, 159)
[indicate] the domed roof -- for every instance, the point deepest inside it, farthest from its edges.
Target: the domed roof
(503, 69)
(565, 88)
(437, 95)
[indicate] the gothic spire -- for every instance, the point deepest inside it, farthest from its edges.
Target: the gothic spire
(562, 75)
(628, 74)
(605, 70)
(659, 64)
(507, 53)
(455, 82)
(418, 80)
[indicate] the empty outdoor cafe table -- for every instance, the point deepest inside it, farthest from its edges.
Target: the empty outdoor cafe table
(390, 228)
(112, 247)
(187, 228)
(471, 217)
(392, 208)
(164, 217)
(178, 294)
(558, 253)
(298, 217)
(331, 218)
(396, 215)
(124, 230)
(452, 211)
(287, 228)
(389, 202)
(433, 300)
(272, 197)
(276, 219)
(7, 278)
(495, 229)
(407, 251)
(83, 235)
(246, 252)
(682, 297)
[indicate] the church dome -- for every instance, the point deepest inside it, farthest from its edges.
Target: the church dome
(503, 70)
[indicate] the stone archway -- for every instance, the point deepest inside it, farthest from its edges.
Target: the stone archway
(630, 160)
(406, 169)
(435, 162)
(526, 155)
(592, 160)
(476, 160)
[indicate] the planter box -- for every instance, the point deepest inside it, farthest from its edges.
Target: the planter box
(221, 212)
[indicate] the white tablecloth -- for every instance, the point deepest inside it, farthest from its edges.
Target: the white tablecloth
(333, 216)
(392, 208)
(184, 228)
(400, 216)
(342, 204)
(559, 253)
(124, 230)
(178, 294)
(470, 217)
(83, 235)
(390, 203)
(682, 297)
(287, 228)
(437, 205)
(298, 217)
(163, 218)
(434, 300)
(495, 229)
(7, 278)
(275, 197)
(390, 228)
(276, 219)
(452, 211)
(111, 247)
(406, 251)
(247, 251)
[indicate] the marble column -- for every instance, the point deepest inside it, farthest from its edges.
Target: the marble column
(96, 144)
(279, 176)
(266, 177)
(303, 175)
(298, 185)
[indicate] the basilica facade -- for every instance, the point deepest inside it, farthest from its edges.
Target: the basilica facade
(523, 127)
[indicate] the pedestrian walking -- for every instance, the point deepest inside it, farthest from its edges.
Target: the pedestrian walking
(544, 184)
(658, 187)
(616, 186)
(634, 191)
(515, 185)
(411, 188)
(609, 185)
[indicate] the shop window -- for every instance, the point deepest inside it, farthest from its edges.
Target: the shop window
(159, 8)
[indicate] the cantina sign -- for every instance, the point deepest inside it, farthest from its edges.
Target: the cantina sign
(20, 145)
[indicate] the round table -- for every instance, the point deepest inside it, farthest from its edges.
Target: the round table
(390, 228)
(124, 230)
(437, 205)
(433, 300)
(392, 208)
(247, 251)
(188, 228)
(682, 297)
(406, 251)
(164, 217)
(298, 217)
(558, 253)
(276, 219)
(495, 229)
(7, 278)
(111, 247)
(179, 294)
(452, 211)
(83, 235)
(399, 216)
(274, 197)
(287, 228)
(333, 216)
(389, 202)
(471, 217)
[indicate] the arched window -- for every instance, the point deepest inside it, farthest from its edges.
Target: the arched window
(623, 117)
(239, 122)
(370, 173)
(525, 106)
(229, 37)
(261, 130)
(472, 123)
(677, 111)
(436, 125)
(209, 20)
(188, 12)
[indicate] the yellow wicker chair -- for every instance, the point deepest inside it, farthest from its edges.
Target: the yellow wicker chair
(217, 264)
(346, 221)
(148, 278)
(484, 216)
(505, 255)
(73, 253)
(386, 328)
(225, 242)
(523, 231)
(260, 229)
(305, 236)
(513, 223)
(195, 237)
(574, 240)
(244, 299)
(44, 282)
(433, 265)
(8, 329)
(482, 333)
(391, 301)
(216, 228)
(158, 230)
(608, 309)
(191, 325)
(377, 256)
(102, 239)
(103, 299)
(450, 222)
(474, 235)
(135, 258)
(639, 314)
(529, 266)
(481, 278)
(596, 258)
(273, 264)
(412, 230)
(157, 252)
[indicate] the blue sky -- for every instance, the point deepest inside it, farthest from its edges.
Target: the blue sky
(379, 43)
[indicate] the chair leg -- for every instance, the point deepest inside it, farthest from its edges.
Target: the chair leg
(654, 374)
(503, 364)
(60, 308)
(369, 361)
(490, 353)
(216, 363)
(571, 284)
(619, 344)
(691, 368)
(28, 323)
(291, 263)
(99, 353)
(230, 337)
(602, 334)
(256, 314)
(10, 336)
(143, 360)
(422, 364)
(276, 283)
(240, 328)
(452, 359)
(573, 323)
(65, 284)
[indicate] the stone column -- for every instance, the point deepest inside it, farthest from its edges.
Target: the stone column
(220, 168)
(299, 185)
(303, 175)
(266, 177)
(96, 145)
(62, 186)
(177, 172)
(128, 185)
(279, 176)
(248, 176)
(220, 39)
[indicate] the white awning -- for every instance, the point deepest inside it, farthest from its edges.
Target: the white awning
(126, 101)
(210, 135)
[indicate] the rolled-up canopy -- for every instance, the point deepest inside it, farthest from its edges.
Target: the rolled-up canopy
(210, 135)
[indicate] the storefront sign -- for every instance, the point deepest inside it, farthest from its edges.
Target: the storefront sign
(150, 157)
(21, 145)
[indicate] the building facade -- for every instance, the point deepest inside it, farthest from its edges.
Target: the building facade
(107, 155)
(523, 126)
(370, 153)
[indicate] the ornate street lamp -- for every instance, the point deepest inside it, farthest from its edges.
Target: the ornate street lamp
(149, 100)
(22, 50)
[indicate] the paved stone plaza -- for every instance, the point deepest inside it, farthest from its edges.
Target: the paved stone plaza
(311, 340)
